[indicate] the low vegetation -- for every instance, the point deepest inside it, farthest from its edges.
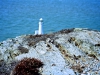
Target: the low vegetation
(27, 66)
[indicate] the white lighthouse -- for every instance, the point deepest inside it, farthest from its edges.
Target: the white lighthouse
(40, 31)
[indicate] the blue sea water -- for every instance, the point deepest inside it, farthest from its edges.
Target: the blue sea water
(19, 17)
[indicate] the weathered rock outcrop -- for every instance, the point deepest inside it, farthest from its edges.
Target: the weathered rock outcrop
(69, 51)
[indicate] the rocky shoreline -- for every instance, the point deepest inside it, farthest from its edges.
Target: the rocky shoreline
(71, 51)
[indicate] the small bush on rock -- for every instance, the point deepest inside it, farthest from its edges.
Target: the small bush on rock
(27, 66)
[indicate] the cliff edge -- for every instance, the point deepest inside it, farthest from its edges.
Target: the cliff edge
(70, 51)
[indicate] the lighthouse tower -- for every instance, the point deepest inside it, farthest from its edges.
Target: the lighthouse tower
(40, 32)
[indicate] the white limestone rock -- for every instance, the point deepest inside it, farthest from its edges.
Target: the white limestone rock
(63, 53)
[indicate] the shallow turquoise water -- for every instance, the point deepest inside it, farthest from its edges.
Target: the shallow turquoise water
(19, 17)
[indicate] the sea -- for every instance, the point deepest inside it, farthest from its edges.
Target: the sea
(21, 17)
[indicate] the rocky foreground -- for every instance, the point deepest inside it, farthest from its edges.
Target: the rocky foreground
(67, 52)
